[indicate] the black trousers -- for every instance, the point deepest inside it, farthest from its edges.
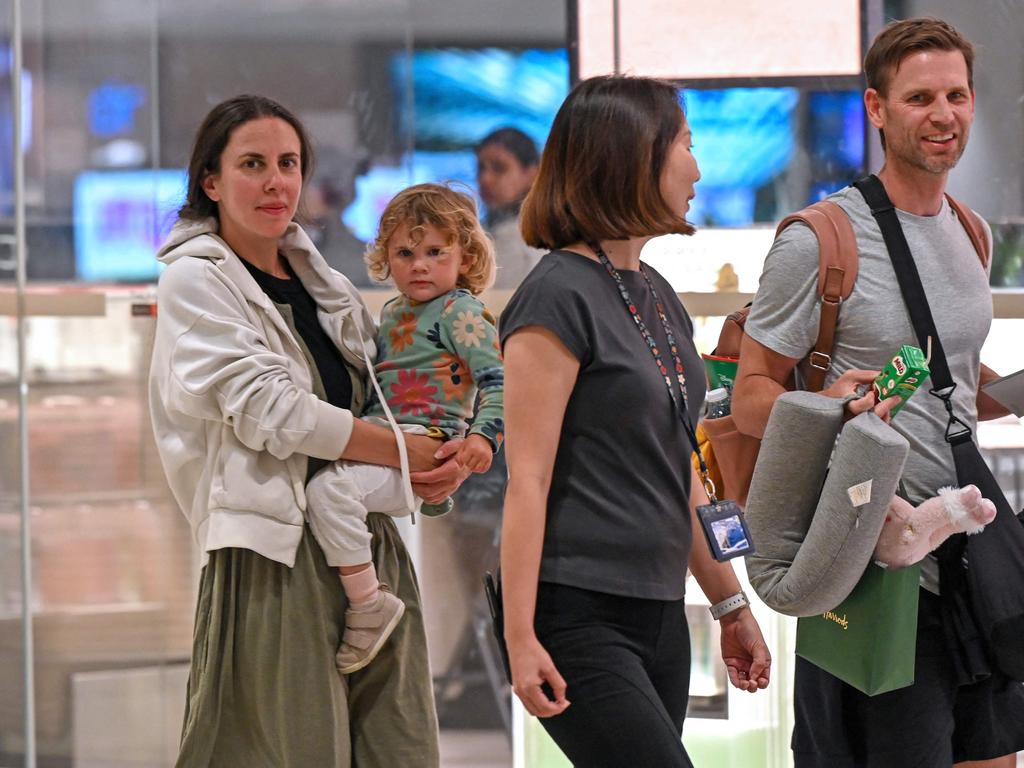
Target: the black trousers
(626, 662)
(930, 724)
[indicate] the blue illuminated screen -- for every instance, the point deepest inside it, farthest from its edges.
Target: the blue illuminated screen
(458, 96)
(745, 138)
(121, 218)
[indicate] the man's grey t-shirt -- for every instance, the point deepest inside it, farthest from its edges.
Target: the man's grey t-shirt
(874, 323)
(617, 515)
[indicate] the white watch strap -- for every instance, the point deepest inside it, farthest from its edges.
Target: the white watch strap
(730, 604)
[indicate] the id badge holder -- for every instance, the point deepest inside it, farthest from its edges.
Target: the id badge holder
(725, 530)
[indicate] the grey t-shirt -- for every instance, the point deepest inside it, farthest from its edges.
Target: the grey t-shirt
(874, 323)
(618, 516)
(514, 257)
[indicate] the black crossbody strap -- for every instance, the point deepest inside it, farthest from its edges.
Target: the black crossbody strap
(914, 297)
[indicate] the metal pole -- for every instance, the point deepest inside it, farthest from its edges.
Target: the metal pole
(616, 43)
(21, 286)
(154, 89)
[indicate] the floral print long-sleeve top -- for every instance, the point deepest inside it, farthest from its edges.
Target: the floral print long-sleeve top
(433, 357)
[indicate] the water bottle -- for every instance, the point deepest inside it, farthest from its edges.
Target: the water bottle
(717, 403)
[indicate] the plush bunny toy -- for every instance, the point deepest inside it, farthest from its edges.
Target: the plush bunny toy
(909, 533)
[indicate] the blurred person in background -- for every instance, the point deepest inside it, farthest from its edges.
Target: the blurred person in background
(327, 195)
(506, 167)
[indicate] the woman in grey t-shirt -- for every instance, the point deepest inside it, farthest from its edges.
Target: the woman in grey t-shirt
(600, 504)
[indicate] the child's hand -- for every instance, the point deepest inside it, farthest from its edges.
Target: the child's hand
(475, 453)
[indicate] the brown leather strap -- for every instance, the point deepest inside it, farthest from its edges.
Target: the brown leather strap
(836, 240)
(975, 229)
(820, 358)
(731, 336)
(837, 273)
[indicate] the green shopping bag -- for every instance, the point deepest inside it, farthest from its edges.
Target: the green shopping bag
(868, 640)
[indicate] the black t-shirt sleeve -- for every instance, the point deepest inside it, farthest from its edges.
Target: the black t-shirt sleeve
(547, 299)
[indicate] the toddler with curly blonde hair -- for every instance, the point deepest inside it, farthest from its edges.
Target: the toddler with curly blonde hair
(437, 346)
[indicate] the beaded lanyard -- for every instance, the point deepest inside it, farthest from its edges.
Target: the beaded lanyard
(709, 486)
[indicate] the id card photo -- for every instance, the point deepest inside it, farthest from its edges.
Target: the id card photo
(725, 530)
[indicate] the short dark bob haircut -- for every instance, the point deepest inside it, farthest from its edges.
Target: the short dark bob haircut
(215, 133)
(600, 173)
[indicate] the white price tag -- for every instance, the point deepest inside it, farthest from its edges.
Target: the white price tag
(859, 494)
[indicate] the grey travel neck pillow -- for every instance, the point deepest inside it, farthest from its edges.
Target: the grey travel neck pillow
(816, 528)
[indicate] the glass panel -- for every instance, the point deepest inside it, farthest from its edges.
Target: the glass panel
(111, 557)
(118, 92)
(12, 710)
(12, 626)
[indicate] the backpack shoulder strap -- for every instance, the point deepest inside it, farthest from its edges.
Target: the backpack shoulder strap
(837, 245)
(975, 229)
(837, 272)
(731, 336)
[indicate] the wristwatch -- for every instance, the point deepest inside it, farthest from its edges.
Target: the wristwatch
(730, 604)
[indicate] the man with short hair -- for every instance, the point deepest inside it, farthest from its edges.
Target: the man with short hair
(920, 96)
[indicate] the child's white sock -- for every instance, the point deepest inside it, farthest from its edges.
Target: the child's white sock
(361, 587)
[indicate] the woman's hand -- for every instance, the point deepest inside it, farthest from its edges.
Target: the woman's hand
(744, 651)
(533, 674)
(437, 483)
(422, 452)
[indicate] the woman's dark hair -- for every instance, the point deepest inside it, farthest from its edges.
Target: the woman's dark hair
(516, 142)
(215, 133)
(600, 174)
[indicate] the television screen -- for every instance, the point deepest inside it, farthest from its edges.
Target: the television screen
(743, 139)
(380, 183)
(836, 135)
(121, 218)
(745, 142)
(7, 128)
(460, 95)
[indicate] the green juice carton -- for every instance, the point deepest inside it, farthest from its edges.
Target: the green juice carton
(721, 371)
(902, 375)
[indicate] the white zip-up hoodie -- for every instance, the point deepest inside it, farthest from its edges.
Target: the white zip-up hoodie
(231, 399)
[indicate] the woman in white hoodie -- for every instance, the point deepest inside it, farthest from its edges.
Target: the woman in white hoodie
(256, 376)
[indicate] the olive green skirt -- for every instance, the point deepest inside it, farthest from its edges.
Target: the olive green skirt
(263, 690)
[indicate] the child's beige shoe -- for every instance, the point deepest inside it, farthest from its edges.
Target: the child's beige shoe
(367, 628)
